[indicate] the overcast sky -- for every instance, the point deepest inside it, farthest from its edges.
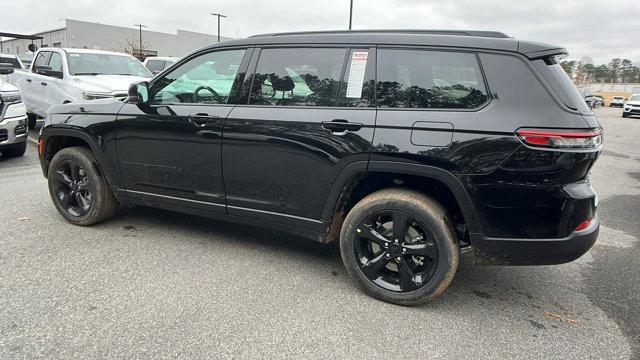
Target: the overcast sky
(600, 29)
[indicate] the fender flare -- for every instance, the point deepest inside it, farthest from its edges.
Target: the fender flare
(87, 138)
(456, 187)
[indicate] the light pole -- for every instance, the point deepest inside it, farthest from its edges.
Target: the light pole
(350, 14)
(140, 26)
(219, 16)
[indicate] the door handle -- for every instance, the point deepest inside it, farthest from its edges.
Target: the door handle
(202, 119)
(28, 80)
(43, 83)
(341, 126)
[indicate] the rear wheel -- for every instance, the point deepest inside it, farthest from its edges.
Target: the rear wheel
(625, 115)
(78, 189)
(399, 247)
(16, 150)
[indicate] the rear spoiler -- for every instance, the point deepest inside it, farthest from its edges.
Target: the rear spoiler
(535, 51)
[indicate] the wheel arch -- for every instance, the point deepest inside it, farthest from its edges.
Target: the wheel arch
(56, 139)
(360, 179)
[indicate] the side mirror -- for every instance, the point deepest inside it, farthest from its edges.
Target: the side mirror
(139, 92)
(6, 69)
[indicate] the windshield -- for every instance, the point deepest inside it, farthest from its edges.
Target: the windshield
(635, 98)
(105, 64)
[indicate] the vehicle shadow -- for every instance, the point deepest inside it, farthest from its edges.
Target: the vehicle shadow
(537, 289)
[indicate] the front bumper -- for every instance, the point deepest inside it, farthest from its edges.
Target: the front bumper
(13, 131)
(499, 251)
(632, 111)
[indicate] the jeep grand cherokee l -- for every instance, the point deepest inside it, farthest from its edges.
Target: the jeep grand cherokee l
(404, 146)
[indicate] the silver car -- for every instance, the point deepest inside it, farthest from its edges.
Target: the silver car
(13, 117)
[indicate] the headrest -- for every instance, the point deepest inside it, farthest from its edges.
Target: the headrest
(281, 83)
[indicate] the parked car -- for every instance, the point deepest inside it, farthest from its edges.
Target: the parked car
(632, 106)
(13, 117)
(60, 76)
(157, 64)
(594, 100)
(617, 101)
(404, 146)
(12, 60)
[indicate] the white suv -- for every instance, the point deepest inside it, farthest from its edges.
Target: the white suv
(617, 101)
(632, 106)
(13, 117)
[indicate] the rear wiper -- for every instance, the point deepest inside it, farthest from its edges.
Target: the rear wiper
(86, 73)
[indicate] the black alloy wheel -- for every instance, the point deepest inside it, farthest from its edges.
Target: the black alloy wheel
(78, 188)
(72, 188)
(398, 246)
(395, 251)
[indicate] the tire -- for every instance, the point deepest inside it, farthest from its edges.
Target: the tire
(32, 118)
(15, 151)
(423, 216)
(75, 180)
(625, 115)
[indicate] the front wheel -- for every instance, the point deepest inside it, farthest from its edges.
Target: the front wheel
(399, 247)
(78, 189)
(625, 115)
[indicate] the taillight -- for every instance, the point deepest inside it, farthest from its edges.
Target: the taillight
(561, 138)
(583, 225)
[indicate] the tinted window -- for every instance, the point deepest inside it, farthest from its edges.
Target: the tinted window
(429, 79)
(206, 79)
(297, 77)
(11, 60)
(357, 87)
(155, 65)
(55, 62)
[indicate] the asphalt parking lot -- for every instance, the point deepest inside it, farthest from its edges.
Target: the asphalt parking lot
(155, 284)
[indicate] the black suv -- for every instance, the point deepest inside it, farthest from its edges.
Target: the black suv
(405, 146)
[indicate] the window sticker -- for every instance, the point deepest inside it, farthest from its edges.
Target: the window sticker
(356, 74)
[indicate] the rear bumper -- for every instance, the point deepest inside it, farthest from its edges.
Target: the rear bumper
(503, 251)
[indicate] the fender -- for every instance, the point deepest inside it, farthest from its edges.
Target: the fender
(447, 178)
(111, 175)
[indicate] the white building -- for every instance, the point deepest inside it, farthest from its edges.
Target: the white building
(87, 35)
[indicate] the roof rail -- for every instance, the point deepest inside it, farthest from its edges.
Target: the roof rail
(490, 34)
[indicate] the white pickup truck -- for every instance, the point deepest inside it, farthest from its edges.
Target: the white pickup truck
(59, 76)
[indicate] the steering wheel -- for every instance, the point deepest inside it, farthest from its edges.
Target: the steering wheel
(196, 97)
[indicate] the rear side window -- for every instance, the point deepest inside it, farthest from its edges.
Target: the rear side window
(429, 79)
(297, 77)
(564, 87)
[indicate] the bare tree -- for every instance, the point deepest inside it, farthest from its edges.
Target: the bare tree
(130, 46)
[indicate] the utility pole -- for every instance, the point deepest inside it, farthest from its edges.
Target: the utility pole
(219, 16)
(350, 14)
(140, 26)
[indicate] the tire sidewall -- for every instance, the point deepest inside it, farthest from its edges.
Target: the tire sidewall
(438, 226)
(87, 162)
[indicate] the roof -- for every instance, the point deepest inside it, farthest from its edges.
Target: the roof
(469, 39)
(87, 51)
